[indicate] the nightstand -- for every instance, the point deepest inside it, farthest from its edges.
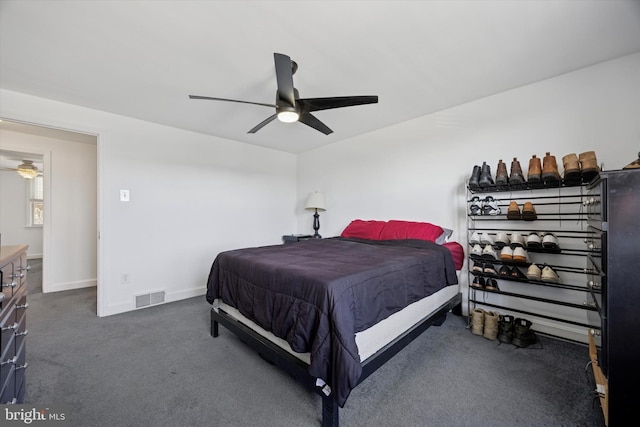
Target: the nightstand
(290, 238)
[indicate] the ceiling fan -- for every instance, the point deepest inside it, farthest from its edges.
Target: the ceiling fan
(290, 107)
(26, 169)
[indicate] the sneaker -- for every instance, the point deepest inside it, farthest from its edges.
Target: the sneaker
(488, 252)
(478, 267)
(502, 239)
(549, 241)
(533, 240)
(548, 275)
(504, 272)
(475, 238)
(513, 212)
(490, 206)
(517, 241)
(489, 269)
(491, 285)
(533, 272)
(485, 239)
(476, 206)
(506, 254)
(517, 274)
(520, 255)
(478, 282)
(529, 212)
(476, 250)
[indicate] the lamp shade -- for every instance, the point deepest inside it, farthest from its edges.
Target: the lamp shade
(27, 169)
(315, 201)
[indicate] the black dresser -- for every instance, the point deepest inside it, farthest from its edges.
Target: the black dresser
(613, 208)
(13, 322)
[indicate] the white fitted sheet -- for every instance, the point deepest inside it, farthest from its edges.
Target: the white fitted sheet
(370, 340)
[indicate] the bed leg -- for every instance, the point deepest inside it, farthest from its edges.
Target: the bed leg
(329, 412)
(214, 327)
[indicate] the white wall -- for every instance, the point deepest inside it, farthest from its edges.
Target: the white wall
(192, 196)
(416, 170)
(14, 213)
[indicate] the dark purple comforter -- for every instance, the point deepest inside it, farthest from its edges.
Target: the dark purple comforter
(316, 294)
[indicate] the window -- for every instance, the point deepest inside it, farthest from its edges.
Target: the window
(36, 202)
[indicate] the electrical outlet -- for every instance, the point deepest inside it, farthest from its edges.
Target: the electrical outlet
(124, 278)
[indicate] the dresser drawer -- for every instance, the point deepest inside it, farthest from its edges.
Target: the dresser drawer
(8, 284)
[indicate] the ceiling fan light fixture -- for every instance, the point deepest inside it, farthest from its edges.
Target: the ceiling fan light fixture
(287, 116)
(27, 169)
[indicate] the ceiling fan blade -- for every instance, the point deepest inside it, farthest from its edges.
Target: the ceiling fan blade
(284, 77)
(310, 120)
(317, 104)
(263, 124)
(231, 100)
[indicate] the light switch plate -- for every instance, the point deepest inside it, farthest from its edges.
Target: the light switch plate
(124, 195)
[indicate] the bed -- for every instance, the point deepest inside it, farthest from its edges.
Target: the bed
(331, 311)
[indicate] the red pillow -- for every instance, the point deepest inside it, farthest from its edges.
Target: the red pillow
(457, 252)
(394, 230)
(360, 229)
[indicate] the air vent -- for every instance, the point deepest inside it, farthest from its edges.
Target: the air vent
(149, 299)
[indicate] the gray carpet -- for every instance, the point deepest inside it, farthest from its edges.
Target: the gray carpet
(160, 367)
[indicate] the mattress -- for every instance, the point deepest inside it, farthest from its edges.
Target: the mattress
(371, 340)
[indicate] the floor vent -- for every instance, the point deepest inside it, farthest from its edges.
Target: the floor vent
(149, 299)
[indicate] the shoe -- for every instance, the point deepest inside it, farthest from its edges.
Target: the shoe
(549, 241)
(488, 252)
(550, 173)
(633, 165)
(505, 329)
(571, 167)
(478, 282)
(533, 272)
(476, 250)
(475, 238)
(501, 174)
(548, 275)
(505, 272)
(478, 267)
(485, 176)
(502, 239)
(490, 325)
(588, 166)
(513, 212)
(490, 206)
(529, 212)
(485, 239)
(520, 255)
(517, 241)
(489, 269)
(517, 274)
(477, 321)
(506, 254)
(534, 241)
(516, 177)
(474, 181)
(523, 335)
(476, 206)
(491, 285)
(535, 170)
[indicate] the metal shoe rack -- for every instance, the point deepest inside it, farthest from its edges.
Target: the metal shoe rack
(560, 211)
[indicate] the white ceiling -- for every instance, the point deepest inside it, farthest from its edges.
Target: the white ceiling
(143, 58)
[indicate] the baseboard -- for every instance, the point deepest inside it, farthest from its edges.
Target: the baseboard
(124, 307)
(67, 286)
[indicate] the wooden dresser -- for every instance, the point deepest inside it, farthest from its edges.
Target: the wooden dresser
(13, 322)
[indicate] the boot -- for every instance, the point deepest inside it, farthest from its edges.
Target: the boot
(633, 165)
(588, 165)
(517, 178)
(571, 167)
(550, 173)
(513, 212)
(535, 168)
(490, 325)
(523, 335)
(477, 321)
(475, 178)
(505, 329)
(485, 176)
(501, 174)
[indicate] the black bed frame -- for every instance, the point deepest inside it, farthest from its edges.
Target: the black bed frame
(298, 369)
